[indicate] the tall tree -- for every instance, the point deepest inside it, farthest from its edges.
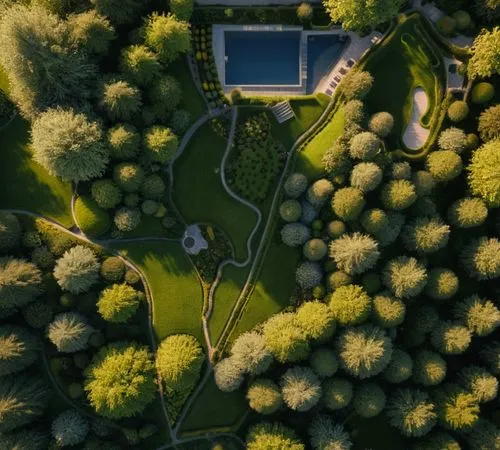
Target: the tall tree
(485, 60)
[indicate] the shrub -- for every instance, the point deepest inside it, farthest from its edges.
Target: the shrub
(457, 112)
(446, 25)
(123, 141)
(315, 250)
(484, 173)
(228, 375)
(69, 428)
(463, 19)
(285, 339)
(337, 279)
(119, 12)
(316, 319)
(336, 228)
(127, 219)
(120, 380)
(304, 12)
(398, 194)
(300, 388)
(400, 171)
(335, 160)
(132, 277)
(90, 32)
(354, 111)
(429, 369)
(308, 275)
(374, 221)
(68, 145)
(426, 234)
(10, 231)
(92, 220)
(347, 203)
(424, 182)
(400, 368)
(369, 400)
(481, 257)
(381, 123)
(160, 144)
(106, 194)
(23, 399)
(453, 139)
(365, 146)
(324, 362)
(182, 9)
(77, 270)
(479, 382)
(388, 312)
(251, 354)
(325, 435)
(319, 192)
(264, 396)
(337, 393)
(467, 212)
(354, 253)
(457, 409)
(366, 176)
(444, 165)
(165, 95)
(120, 100)
(178, 362)
(290, 210)
(118, 303)
(404, 276)
(150, 207)
(18, 349)
(356, 85)
(364, 351)
(38, 314)
(450, 338)
(295, 185)
(489, 123)
(153, 187)
(480, 315)
(482, 93)
(167, 36)
(69, 332)
(112, 269)
(350, 305)
(272, 436)
(139, 64)
(128, 176)
(43, 258)
(442, 284)
(180, 121)
(411, 412)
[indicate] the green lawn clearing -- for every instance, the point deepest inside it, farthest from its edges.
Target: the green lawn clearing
(176, 290)
(199, 193)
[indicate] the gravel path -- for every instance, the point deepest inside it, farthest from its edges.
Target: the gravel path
(415, 135)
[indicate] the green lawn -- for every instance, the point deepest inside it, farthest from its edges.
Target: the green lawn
(402, 63)
(200, 196)
(176, 291)
(309, 158)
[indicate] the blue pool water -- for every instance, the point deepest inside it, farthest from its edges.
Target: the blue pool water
(262, 57)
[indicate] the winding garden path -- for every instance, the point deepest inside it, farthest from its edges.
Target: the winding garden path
(415, 135)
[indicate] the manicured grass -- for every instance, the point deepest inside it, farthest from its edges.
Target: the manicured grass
(27, 185)
(91, 219)
(309, 157)
(402, 63)
(200, 195)
(176, 291)
(214, 409)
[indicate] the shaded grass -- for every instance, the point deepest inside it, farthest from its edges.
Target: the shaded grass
(200, 195)
(375, 433)
(176, 291)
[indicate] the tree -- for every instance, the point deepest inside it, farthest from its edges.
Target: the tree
(251, 354)
(123, 141)
(485, 61)
(272, 436)
(118, 303)
(77, 270)
(305, 12)
(327, 435)
(400, 368)
(69, 332)
(316, 319)
(120, 380)
(480, 315)
(365, 146)
(127, 219)
(167, 36)
(119, 11)
(388, 312)
(182, 9)
(444, 165)
(364, 351)
(483, 435)
(20, 283)
(38, 314)
(489, 124)
(479, 382)
(437, 440)
(356, 85)
(295, 234)
(160, 144)
(301, 388)
(481, 258)
(482, 93)
(23, 399)
(68, 145)
(120, 100)
(411, 412)
(140, 64)
(381, 123)
(18, 349)
(295, 185)
(315, 249)
(69, 428)
(106, 193)
(90, 32)
(374, 220)
(180, 121)
(457, 409)
(43, 71)
(228, 374)
(308, 275)
(467, 212)
(324, 362)
(178, 361)
(350, 305)
(290, 210)
(33, 439)
(319, 192)
(165, 95)
(450, 338)
(457, 111)
(429, 369)
(153, 187)
(424, 182)
(398, 194)
(426, 234)
(453, 139)
(354, 111)
(484, 173)
(336, 160)
(264, 396)
(337, 393)
(128, 176)
(404, 276)
(285, 339)
(366, 176)
(359, 15)
(369, 400)
(488, 10)
(347, 203)
(442, 284)
(10, 231)
(354, 253)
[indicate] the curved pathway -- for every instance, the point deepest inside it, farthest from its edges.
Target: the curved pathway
(415, 135)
